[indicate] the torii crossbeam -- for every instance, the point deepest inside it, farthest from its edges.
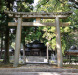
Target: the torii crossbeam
(37, 24)
(38, 16)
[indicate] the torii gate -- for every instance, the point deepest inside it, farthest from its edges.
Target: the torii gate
(38, 16)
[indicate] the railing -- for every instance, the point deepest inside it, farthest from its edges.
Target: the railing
(43, 59)
(34, 59)
(31, 59)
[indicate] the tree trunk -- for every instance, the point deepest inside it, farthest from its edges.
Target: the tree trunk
(6, 58)
(1, 45)
(24, 51)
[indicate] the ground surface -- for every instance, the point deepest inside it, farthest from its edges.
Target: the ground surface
(37, 73)
(44, 66)
(38, 69)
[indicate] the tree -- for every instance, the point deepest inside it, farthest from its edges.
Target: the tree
(74, 3)
(50, 32)
(8, 4)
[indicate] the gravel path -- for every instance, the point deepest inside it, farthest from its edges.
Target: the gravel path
(37, 73)
(37, 69)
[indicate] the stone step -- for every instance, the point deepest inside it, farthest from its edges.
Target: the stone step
(36, 59)
(38, 70)
(36, 73)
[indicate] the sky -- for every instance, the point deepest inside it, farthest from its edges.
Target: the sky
(35, 2)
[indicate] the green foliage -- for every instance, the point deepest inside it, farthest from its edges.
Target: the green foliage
(29, 1)
(2, 5)
(52, 5)
(44, 34)
(4, 19)
(67, 38)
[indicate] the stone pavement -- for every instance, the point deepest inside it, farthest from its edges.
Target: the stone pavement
(41, 69)
(36, 73)
(25, 71)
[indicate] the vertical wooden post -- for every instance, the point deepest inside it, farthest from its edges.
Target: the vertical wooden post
(47, 52)
(18, 43)
(24, 59)
(38, 20)
(58, 44)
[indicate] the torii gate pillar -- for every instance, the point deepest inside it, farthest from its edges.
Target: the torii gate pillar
(18, 43)
(58, 43)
